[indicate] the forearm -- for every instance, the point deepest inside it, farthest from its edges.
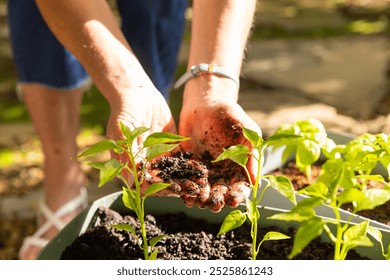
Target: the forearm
(220, 30)
(90, 31)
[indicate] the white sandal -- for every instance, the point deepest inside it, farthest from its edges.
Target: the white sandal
(53, 219)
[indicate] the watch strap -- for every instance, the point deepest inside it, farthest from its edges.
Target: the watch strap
(204, 68)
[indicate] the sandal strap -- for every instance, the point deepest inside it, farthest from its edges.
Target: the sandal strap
(53, 219)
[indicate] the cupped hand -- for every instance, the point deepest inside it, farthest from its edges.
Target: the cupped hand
(214, 124)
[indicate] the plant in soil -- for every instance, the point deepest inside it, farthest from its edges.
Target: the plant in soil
(344, 177)
(133, 197)
(240, 154)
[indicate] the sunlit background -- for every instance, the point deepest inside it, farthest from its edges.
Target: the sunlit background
(305, 58)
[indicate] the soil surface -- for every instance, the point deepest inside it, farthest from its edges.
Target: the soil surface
(186, 239)
(300, 181)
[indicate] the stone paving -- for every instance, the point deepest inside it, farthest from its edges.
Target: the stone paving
(340, 81)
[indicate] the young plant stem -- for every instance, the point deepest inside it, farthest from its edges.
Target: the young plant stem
(339, 235)
(140, 204)
(255, 218)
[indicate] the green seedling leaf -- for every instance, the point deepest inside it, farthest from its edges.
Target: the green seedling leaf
(132, 135)
(153, 255)
(288, 151)
(129, 198)
(279, 140)
(232, 221)
(159, 149)
(354, 232)
(374, 177)
(125, 227)
(317, 189)
(156, 239)
(377, 235)
(303, 211)
(238, 153)
(163, 138)
(355, 236)
(283, 185)
(308, 152)
(109, 171)
(96, 165)
(253, 137)
(155, 187)
(308, 230)
(100, 147)
(372, 198)
(350, 195)
(272, 235)
(296, 214)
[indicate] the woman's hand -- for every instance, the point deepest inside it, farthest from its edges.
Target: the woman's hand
(214, 122)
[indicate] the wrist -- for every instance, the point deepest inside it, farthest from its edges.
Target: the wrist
(210, 88)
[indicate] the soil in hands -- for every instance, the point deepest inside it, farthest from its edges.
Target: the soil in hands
(185, 239)
(300, 181)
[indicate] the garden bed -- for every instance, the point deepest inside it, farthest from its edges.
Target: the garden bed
(186, 239)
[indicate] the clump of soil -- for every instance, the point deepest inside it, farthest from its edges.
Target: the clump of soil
(179, 167)
(186, 239)
(300, 181)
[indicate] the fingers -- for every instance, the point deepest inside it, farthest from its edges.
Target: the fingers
(224, 184)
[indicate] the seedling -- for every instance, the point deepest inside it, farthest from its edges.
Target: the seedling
(346, 171)
(240, 154)
(154, 145)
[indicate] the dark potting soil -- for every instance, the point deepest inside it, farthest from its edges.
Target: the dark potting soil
(186, 239)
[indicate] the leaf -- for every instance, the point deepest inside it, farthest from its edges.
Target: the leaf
(278, 140)
(375, 233)
(163, 138)
(130, 136)
(155, 187)
(237, 153)
(96, 165)
(109, 171)
(153, 255)
(308, 152)
(156, 239)
(350, 195)
(159, 149)
(100, 147)
(129, 198)
(308, 230)
(288, 151)
(297, 214)
(284, 186)
(253, 137)
(125, 227)
(318, 189)
(372, 198)
(356, 236)
(274, 235)
(232, 221)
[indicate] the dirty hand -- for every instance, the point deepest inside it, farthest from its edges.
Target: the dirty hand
(146, 107)
(214, 122)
